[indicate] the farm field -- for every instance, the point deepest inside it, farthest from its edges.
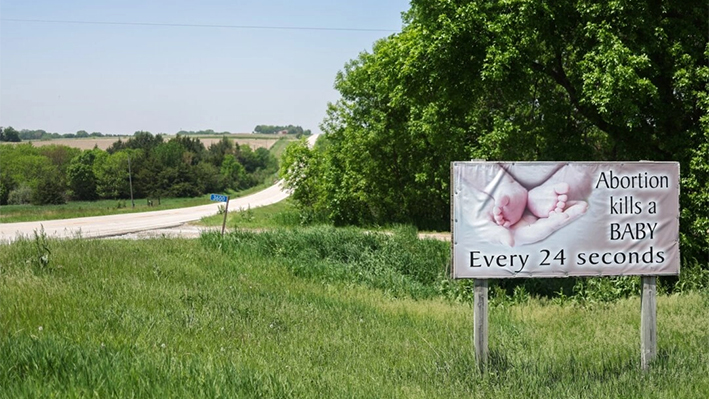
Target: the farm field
(311, 313)
(254, 141)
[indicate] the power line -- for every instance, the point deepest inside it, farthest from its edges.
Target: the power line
(263, 27)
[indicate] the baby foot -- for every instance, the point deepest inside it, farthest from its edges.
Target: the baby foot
(510, 201)
(548, 199)
(498, 213)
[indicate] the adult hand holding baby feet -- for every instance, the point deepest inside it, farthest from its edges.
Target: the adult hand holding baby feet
(531, 229)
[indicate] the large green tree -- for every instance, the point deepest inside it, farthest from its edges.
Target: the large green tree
(81, 176)
(515, 80)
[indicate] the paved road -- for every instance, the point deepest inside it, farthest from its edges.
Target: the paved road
(115, 225)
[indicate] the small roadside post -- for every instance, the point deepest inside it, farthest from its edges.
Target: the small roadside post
(221, 198)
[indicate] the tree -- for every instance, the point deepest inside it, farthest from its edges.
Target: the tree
(111, 173)
(7, 184)
(81, 176)
(218, 150)
(517, 80)
(10, 135)
(50, 190)
(232, 172)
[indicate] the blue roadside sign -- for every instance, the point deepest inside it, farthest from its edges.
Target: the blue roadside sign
(218, 197)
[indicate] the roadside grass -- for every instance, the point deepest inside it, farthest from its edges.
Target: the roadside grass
(279, 215)
(283, 315)
(279, 146)
(77, 209)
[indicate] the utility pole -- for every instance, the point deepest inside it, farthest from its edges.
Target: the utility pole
(130, 182)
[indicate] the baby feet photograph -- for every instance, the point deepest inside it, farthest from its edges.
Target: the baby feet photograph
(522, 206)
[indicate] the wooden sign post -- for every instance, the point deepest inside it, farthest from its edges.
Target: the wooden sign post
(648, 321)
(480, 330)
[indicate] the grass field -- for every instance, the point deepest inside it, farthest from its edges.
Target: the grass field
(76, 209)
(311, 314)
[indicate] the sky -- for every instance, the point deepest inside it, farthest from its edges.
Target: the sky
(121, 78)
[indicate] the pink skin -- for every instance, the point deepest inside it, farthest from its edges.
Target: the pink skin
(510, 201)
(531, 229)
(517, 217)
(549, 198)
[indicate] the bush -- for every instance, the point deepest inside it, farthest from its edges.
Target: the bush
(20, 196)
(50, 190)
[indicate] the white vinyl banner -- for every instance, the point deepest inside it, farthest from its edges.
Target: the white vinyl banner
(550, 219)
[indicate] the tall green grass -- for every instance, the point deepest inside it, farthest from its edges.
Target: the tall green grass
(282, 214)
(398, 263)
(234, 317)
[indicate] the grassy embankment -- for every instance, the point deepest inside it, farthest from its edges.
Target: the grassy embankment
(279, 215)
(311, 313)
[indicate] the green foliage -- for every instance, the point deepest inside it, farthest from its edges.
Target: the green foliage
(232, 172)
(20, 195)
(50, 189)
(302, 174)
(290, 129)
(207, 132)
(397, 263)
(180, 167)
(111, 173)
(9, 134)
(518, 81)
(7, 184)
(81, 176)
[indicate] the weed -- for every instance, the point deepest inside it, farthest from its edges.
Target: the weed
(40, 258)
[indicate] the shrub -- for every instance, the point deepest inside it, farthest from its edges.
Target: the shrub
(20, 196)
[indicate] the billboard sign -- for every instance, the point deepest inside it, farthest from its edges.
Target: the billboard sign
(551, 219)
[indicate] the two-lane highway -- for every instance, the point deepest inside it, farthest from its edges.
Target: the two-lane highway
(113, 225)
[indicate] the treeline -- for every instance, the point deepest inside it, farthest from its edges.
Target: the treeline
(208, 132)
(290, 129)
(181, 167)
(27, 135)
(512, 81)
